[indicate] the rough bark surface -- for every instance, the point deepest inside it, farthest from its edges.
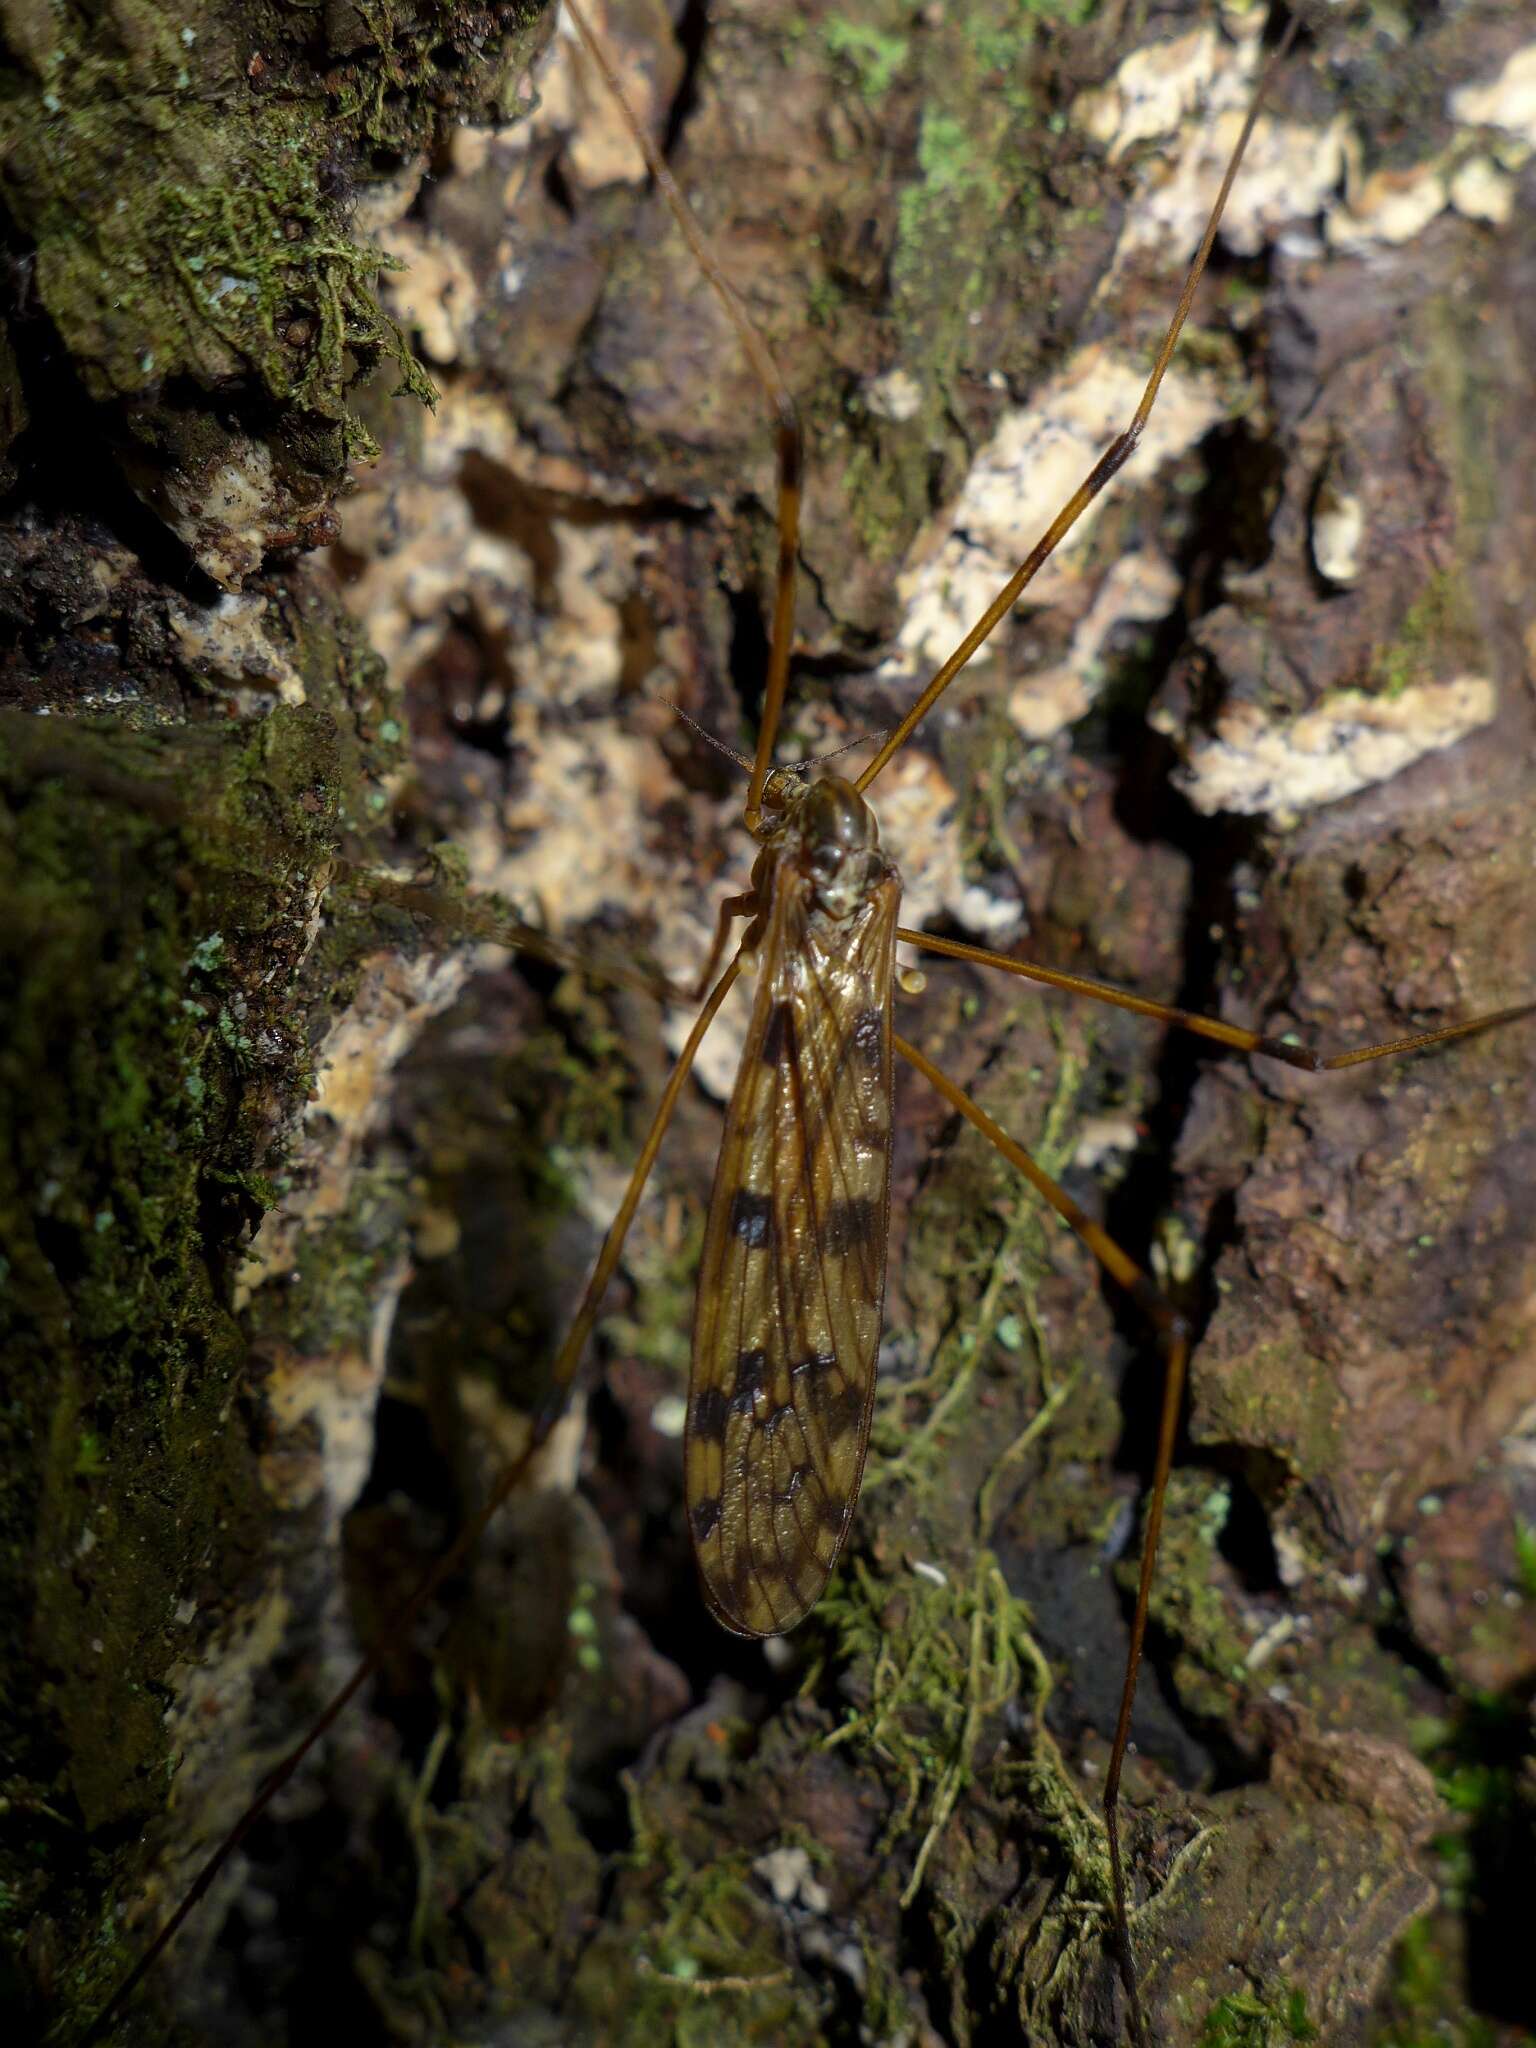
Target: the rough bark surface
(304, 1176)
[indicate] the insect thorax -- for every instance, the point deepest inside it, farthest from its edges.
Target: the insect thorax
(832, 837)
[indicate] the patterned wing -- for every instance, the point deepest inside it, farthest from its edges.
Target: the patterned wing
(792, 1280)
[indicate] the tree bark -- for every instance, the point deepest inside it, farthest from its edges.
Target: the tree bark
(305, 1179)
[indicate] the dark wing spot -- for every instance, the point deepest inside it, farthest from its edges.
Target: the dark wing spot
(834, 1514)
(779, 1038)
(705, 1516)
(850, 1226)
(751, 1373)
(843, 1412)
(708, 1418)
(751, 1219)
(741, 1592)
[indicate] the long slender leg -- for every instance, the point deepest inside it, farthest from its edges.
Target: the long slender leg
(570, 1351)
(733, 907)
(1173, 1335)
(1235, 1035)
(1115, 456)
(788, 442)
(561, 1375)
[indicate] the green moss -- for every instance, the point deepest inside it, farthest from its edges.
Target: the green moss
(523, 1912)
(1244, 2020)
(977, 184)
(969, 216)
(880, 478)
(333, 1284)
(264, 261)
(187, 190)
(1480, 1751)
(872, 54)
(929, 1667)
(1427, 2009)
(979, 1195)
(1280, 1395)
(714, 1921)
(921, 249)
(666, 1279)
(1438, 640)
(159, 887)
(932, 1664)
(689, 1951)
(1457, 370)
(122, 1351)
(1187, 1604)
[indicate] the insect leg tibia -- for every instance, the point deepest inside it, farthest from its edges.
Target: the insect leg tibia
(744, 905)
(1313, 1062)
(1308, 1058)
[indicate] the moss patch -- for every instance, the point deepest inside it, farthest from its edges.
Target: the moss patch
(186, 178)
(161, 999)
(1246, 2021)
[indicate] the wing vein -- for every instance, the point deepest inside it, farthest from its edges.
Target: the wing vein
(792, 1275)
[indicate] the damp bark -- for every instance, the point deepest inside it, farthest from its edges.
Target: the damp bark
(306, 1177)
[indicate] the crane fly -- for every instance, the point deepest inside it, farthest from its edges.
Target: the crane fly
(791, 1285)
(792, 1279)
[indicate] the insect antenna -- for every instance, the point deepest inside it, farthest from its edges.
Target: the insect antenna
(862, 739)
(709, 739)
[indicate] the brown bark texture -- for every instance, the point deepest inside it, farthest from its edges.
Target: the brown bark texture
(383, 480)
